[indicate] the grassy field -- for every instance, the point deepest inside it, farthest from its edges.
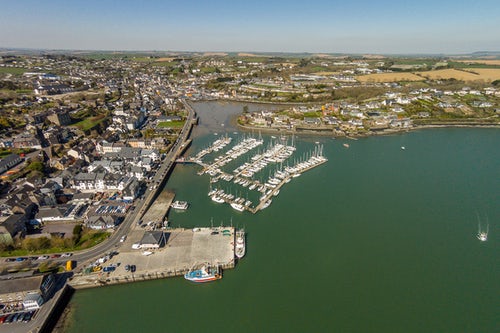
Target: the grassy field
(13, 70)
(88, 240)
(171, 124)
(389, 77)
(471, 74)
(165, 59)
(90, 122)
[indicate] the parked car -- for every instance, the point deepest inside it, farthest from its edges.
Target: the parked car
(132, 268)
(9, 318)
(28, 316)
(123, 238)
(55, 256)
(43, 258)
(127, 268)
(109, 269)
(66, 255)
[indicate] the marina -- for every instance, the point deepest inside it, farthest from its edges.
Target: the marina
(249, 176)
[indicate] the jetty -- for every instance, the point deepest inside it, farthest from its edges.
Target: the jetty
(182, 249)
(158, 210)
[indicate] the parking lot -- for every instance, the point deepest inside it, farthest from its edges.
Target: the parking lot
(64, 229)
(184, 248)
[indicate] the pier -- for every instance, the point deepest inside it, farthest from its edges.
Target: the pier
(184, 248)
(158, 210)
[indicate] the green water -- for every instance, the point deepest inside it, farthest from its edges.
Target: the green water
(379, 239)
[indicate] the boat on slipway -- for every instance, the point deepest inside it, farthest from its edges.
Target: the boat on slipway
(240, 247)
(206, 273)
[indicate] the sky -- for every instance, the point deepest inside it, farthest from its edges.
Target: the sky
(314, 26)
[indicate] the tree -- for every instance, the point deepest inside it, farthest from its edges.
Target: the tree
(77, 233)
(303, 62)
(36, 166)
(245, 109)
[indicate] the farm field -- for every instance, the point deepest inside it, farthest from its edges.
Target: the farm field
(389, 77)
(480, 61)
(471, 74)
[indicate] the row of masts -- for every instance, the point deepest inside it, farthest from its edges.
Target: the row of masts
(278, 151)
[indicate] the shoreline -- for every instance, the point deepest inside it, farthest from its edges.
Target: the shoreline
(332, 133)
(324, 133)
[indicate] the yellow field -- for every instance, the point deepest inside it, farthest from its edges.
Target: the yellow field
(164, 59)
(485, 74)
(481, 61)
(389, 77)
(247, 55)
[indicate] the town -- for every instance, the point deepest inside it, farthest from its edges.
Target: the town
(87, 142)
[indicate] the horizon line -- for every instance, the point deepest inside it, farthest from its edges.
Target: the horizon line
(249, 52)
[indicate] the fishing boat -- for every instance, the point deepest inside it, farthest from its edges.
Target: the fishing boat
(206, 273)
(346, 145)
(181, 205)
(239, 248)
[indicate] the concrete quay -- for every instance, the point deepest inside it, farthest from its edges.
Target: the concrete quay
(184, 249)
(158, 210)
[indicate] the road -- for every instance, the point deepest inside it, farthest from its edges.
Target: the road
(141, 206)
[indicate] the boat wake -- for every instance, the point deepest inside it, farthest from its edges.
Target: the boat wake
(482, 232)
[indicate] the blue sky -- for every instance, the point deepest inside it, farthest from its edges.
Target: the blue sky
(349, 26)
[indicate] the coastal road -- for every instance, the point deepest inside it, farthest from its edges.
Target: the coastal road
(141, 205)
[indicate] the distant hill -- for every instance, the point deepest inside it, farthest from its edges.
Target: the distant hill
(474, 55)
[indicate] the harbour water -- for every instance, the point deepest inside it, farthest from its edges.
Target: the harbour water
(379, 239)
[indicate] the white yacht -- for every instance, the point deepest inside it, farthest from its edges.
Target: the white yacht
(217, 199)
(267, 204)
(237, 206)
(482, 234)
(181, 205)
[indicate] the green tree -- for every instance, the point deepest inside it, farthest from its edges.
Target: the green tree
(77, 233)
(43, 243)
(36, 166)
